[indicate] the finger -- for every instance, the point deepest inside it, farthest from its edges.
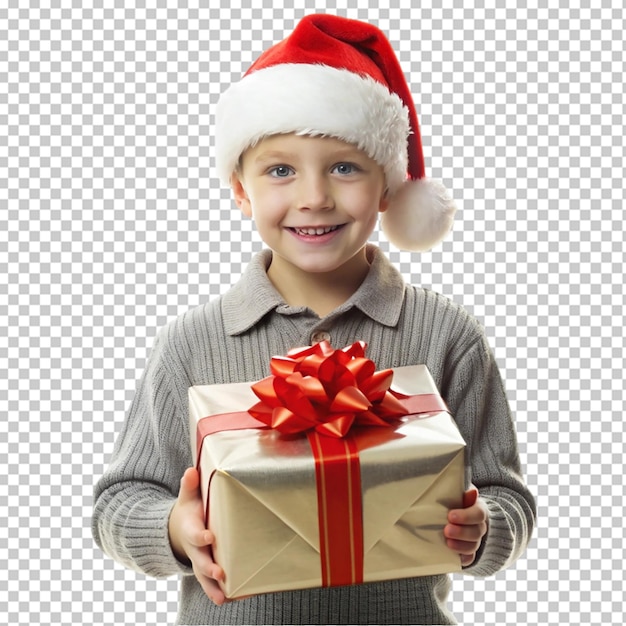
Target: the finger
(470, 497)
(466, 517)
(200, 537)
(472, 533)
(476, 514)
(208, 574)
(463, 547)
(211, 589)
(189, 484)
(204, 565)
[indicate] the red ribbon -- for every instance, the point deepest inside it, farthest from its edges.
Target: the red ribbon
(326, 390)
(323, 393)
(339, 508)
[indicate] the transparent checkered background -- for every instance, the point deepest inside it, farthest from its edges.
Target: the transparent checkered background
(112, 223)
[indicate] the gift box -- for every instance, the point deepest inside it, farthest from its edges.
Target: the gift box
(357, 491)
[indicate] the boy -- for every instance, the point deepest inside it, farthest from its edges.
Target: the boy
(317, 140)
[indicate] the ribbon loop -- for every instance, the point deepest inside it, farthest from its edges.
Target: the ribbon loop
(327, 390)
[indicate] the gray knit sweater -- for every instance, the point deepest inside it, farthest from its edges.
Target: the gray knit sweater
(232, 339)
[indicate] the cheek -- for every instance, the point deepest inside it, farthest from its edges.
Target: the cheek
(275, 197)
(366, 204)
(268, 205)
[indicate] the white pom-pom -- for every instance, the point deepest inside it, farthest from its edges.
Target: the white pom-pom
(419, 216)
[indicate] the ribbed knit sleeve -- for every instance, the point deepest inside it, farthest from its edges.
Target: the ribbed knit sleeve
(476, 397)
(133, 500)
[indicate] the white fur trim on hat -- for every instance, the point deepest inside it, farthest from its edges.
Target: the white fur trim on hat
(419, 215)
(312, 99)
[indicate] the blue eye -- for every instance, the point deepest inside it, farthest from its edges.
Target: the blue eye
(280, 171)
(345, 168)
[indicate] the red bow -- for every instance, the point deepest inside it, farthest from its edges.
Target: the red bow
(326, 390)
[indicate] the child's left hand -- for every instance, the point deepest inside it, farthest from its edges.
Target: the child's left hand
(467, 526)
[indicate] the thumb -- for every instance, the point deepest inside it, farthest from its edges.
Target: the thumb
(470, 497)
(189, 484)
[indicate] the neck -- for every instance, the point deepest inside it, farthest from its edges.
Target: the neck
(321, 292)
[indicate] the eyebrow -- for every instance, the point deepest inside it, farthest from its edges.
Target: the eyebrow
(278, 155)
(274, 155)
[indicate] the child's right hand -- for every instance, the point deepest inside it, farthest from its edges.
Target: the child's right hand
(189, 538)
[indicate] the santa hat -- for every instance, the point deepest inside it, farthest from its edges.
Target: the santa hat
(340, 78)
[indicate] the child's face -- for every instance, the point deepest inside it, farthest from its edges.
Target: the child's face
(315, 200)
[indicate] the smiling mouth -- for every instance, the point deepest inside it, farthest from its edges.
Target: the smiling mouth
(311, 231)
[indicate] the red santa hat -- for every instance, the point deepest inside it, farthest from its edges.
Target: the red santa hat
(340, 78)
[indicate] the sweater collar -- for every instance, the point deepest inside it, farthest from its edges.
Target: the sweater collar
(380, 295)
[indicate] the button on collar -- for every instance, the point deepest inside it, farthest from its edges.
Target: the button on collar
(319, 335)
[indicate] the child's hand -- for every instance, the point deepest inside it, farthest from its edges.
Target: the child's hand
(190, 539)
(467, 526)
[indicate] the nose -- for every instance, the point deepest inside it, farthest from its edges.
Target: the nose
(314, 193)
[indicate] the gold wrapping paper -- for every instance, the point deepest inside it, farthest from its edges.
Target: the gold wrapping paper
(262, 500)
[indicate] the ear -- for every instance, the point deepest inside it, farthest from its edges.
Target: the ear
(384, 201)
(241, 196)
